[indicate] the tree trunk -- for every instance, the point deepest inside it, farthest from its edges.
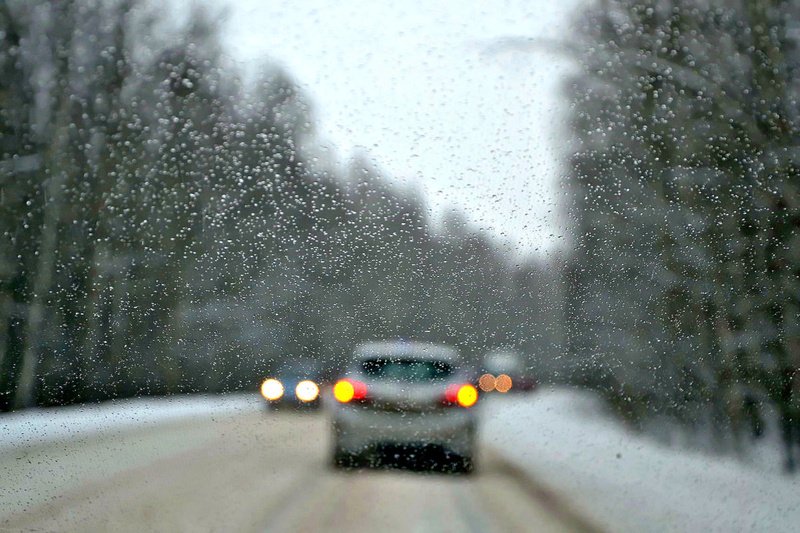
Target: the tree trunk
(43, 277)
(5, 312)
(88, 351)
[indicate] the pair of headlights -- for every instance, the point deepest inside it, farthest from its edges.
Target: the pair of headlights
(501, 383)
(305, 391)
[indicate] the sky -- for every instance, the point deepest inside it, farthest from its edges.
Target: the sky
(451, 98)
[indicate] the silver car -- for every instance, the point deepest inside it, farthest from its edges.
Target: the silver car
(408, 402)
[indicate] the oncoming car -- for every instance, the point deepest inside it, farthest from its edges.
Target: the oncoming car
(406, 401)
(295, 384)
(503, 371)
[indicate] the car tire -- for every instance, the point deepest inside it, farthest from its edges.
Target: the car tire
(463, 465)
(344, 460)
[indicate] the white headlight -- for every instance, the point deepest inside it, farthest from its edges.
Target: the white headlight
(271, 389)
(306, 391)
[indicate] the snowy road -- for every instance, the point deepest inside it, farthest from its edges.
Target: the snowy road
(552, 461)
(247, 470)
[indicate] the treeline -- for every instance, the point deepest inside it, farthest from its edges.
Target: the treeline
(166, 229)
(683, 287)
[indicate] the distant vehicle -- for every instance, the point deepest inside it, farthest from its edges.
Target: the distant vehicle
(409, 401)
(296, 384)
(503, 371)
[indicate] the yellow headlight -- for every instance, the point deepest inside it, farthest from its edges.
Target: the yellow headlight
(271, 389)
(306, 391)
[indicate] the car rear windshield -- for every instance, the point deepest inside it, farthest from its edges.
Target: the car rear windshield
(406, 369)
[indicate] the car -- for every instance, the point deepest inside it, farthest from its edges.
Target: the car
(295, 384)
(405, 401)
(503, 371)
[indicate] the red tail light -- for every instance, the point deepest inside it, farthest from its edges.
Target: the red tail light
(451, 393)
(348, 389)
(464, 395)
(360, 390)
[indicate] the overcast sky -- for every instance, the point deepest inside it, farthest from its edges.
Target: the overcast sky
(434, 94)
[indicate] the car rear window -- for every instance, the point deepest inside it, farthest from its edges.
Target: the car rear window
(406, 369)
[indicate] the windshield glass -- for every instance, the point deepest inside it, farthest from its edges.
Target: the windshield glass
(262, 262)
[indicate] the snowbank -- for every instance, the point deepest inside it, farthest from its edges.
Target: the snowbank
(37, 426)
(623, 481)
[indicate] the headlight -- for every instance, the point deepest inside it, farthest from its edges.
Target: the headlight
(306, 391)
(271, 389)
(503, 383)
(486, 382)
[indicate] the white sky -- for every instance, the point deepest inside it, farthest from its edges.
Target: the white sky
(425, 89)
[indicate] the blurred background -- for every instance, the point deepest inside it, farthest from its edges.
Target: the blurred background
(176, 222)
(192, 194)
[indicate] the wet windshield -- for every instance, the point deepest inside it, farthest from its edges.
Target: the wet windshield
(499, 265)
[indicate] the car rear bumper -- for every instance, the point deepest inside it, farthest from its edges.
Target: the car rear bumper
(288, 402)
(358, 429)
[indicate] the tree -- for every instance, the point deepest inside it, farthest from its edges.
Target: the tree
(679, 180)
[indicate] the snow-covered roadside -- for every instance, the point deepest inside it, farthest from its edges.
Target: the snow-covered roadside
(39, 426)
(623, 481)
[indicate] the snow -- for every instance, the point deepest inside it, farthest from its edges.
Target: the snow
(564, 438)
(35, 427)
(624, 481)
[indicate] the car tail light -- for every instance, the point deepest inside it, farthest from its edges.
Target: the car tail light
(464, 395)
(347, 390)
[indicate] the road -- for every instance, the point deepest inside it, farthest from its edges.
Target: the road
(254, 471)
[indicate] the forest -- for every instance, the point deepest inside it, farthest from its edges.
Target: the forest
(683, 283)
(168, 228)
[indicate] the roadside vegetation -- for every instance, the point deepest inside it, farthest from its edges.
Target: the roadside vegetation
(167, 228)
